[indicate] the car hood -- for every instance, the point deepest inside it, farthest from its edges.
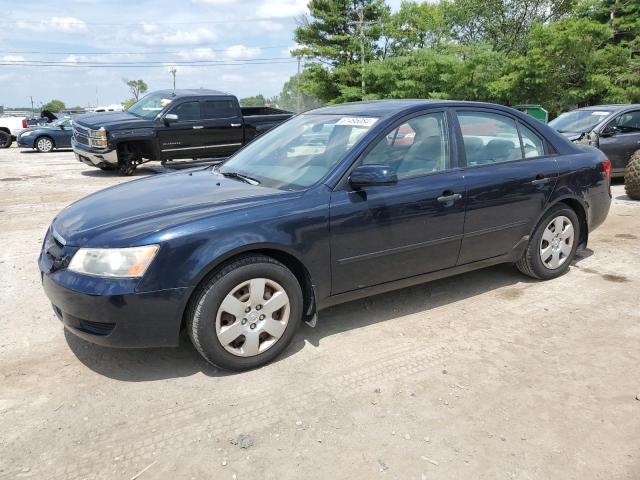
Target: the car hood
(42, 128)
(127, 214)
(111, 120)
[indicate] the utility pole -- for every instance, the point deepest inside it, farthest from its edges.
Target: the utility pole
(32, 110)
(173, 72)
(361, 15)
(299, 99)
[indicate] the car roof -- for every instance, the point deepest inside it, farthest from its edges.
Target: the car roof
(191, 92)
(388, 108)
(611, 107)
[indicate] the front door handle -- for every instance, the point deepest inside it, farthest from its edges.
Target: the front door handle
(540, 180)
(197, 127)
(236, 124)
(449, 198)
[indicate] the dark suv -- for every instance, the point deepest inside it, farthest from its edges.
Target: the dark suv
(614, 129)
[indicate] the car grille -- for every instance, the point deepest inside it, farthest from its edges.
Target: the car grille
(81, 134)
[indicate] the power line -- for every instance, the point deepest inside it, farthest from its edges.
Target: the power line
(152, 52)
(164, 65)
(140, 24)
(143, 62)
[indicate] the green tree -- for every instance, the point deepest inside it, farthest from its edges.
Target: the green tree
(255, 101)
(54, 106)
(293, 98)
(338, 35)
(136, 87)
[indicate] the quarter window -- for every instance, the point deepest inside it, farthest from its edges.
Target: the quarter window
(489, 138)
(417, 147)
(187, 111)
(212, 109)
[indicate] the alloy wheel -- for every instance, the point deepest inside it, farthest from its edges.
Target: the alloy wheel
(252, 317)
(556, 243)
(44, 145)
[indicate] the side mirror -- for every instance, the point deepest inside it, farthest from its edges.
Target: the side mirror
(609, 131)
(372, 176)
(61, 127)
(169, 118)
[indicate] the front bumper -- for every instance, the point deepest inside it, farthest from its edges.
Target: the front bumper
(94, 157)
(25, 142)
(129, 320)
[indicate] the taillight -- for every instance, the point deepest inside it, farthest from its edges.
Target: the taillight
(24, 123)
(606, 165)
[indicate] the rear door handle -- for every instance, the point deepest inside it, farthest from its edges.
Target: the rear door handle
(449, 198)
(236, 124)
(197, 127)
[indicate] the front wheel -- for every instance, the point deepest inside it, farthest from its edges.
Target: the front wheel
(44, 144)
(246, 314)
(552, 245)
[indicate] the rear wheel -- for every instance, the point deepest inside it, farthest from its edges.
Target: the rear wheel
(44, 144)
(552, 245)
(5, 139)
(632, 177)
(247, 314)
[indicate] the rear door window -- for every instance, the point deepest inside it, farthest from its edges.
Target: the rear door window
(531, 143)
(212, 109)
(489, 138)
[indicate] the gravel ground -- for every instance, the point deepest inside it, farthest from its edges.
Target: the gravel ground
(488, 375)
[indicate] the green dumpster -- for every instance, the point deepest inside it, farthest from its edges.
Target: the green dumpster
(536, 111)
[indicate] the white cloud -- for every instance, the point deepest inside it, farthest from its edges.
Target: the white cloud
(13, 58)
(241, 52)
(232, 78)
(196, 36)
(197, 54)
(214, 2)
(76, 58)
(270, 26)
(281, 8)
(58, 24)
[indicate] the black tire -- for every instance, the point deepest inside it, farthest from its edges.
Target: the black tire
(531, 263)
(127, 164)
(40, 149)
(632, 177)
(5, 139)
(203, 309)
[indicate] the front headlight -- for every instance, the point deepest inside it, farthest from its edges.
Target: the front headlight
(26, 134)
(98, 138)
(113, 262)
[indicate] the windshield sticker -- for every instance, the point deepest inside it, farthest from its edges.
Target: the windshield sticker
(601, 113)
(357, 121)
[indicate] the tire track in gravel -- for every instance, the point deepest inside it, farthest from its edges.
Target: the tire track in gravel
(175, 427)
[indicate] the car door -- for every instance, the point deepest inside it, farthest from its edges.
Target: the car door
(182, 138)
(63, 139)
(510, 173)
(222, 127)
(625, 139)
(385, 233)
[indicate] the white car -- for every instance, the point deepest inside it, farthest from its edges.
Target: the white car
(10, 128)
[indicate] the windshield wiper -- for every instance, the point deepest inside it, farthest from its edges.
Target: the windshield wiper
(240, 176)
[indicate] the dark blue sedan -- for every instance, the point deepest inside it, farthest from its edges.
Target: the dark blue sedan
(46, 138)
(335, 204)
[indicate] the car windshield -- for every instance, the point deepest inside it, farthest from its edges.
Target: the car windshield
(298, 153)
(66, 121)
(578, 121)
(150, 106)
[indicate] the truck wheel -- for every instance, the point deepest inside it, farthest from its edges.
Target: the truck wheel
(127, 163)
(632, 177)
(44, 144)
(553, 244)
(5, 139)
(246, 314)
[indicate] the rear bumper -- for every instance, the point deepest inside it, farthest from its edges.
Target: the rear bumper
(94, 157)
(132, 320)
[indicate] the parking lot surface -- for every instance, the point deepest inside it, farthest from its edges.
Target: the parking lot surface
(487, 375)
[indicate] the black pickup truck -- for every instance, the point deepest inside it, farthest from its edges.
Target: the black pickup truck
(167, 125)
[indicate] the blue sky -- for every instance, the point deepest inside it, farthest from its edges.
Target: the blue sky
(167, 31)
